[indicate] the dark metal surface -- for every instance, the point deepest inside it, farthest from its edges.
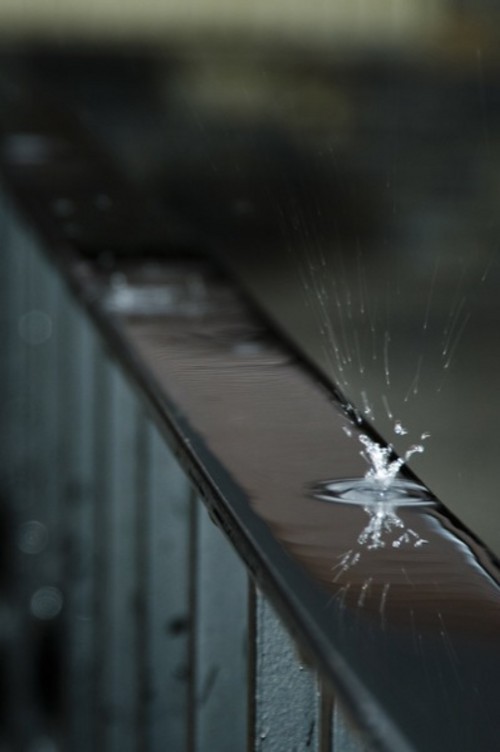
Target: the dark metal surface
(407, 631)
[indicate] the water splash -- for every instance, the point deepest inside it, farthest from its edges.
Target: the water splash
(382, 482)
(386, 527)
(383, 470)
(380, 492)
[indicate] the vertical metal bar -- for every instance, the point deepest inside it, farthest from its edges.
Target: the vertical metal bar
(344, 737)
(46, 490)
(79, 352)
(221, 629)
(19, 711)
(20, 254)
(13, 259)
(143, 596)
(36, 497)
(101, 530)
(118, 542)
(325, 717)
(192, 715)
(40, 328)
(286, 700)
(168, 563)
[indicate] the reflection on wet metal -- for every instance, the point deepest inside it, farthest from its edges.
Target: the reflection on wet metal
(184, 297)
(401, 492)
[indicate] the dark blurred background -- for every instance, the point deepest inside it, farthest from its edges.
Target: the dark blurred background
(343, 159)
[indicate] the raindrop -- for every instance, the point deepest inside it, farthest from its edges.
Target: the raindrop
(387, 341)
(388, 410)
(367, 408)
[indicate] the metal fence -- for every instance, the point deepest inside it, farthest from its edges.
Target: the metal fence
(127, 620)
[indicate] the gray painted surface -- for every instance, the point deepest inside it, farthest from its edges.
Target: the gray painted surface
(118, 554)
(344, 737)
(18, 647)
(167, 638)
(220, 644)
(78, 349)
(287, 706)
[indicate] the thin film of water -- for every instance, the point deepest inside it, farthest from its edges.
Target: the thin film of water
(360, 337)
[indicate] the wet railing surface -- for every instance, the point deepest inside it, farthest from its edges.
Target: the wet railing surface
(136, 385)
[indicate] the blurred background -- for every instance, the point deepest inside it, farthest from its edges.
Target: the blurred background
(343, 159)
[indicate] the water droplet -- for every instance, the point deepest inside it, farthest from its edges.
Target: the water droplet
(46, 603)
(383, 470)
(399, 428)
(415, 449)
(35, 327)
